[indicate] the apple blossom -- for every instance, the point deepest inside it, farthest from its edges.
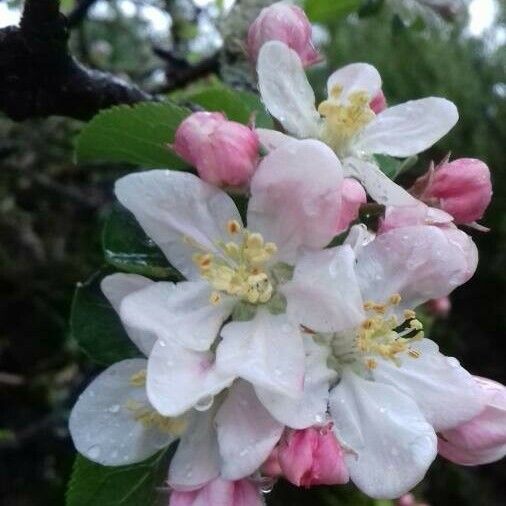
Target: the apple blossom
(439, 307)
(353, 196)
(346, 121)
(483, 438)
(286, 23)
(224, 152)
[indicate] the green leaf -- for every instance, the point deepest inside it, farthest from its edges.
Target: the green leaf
(136, 134)
(96, 327)
(392, 167)
(370, 8)
(134, 485)
(129, 249)
(325, 11)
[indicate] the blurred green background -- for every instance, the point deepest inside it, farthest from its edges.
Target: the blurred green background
(51, 210)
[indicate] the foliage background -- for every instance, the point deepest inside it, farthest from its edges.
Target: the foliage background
(52, 211)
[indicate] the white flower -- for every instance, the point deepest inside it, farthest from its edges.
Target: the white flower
(346, 122)
(395, 389)
(242, 272)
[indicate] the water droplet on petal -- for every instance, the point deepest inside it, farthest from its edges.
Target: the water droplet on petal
(114, 408)
(94, 452)
(205, 403)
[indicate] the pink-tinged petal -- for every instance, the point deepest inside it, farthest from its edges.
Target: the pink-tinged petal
(173, 207)
(388, 444)
(296, 197)
(358, 238)
(312, 457)
(462, 188)
(219, 492)
(285, 23)
(417, 214)
(408, 129)
(105, 429)
(116, 287)
(266, 351)
(439, 307)
(445, 392)
(285, 90)
(178, 312)
(197, 459)
(324, 293)
(378, 103)
(419, 263)
(311, 408)
(356, 77)
(482, 439)
(271, 139)
(353, 196)
(247, 433)
(179, 378)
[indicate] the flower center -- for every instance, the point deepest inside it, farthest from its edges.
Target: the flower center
(343, 120)
(240, 269)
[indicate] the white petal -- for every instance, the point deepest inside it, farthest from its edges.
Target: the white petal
(247, 433)
(271, 139)
(180, 312)
(197, 460)
(419, 263)
(355, 77)
(379, 186)
(311, 408)
(173, 205)
(266, 351)
(286, 91)
(296, 197)
(389, 445)
(324, 293)
(103, 425)
(116, 287)
(409, 128)
(445, 392)
(358, 237)
(179, 378)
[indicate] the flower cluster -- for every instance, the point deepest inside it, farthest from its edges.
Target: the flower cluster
(285, 352)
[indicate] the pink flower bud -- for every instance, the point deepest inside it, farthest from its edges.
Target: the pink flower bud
(312, 457)
(462, 188)
(482, 439)
(378, 103)
(353, 196)
(439, 307)
(219, 492)
(286, 23)
(225, 153)
(420, 214)
(409, 500)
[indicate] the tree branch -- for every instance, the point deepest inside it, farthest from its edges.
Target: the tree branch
(40, 78)
(79, 13)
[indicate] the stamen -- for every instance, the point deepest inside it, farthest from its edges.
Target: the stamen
(153, 420)
(138, 379)
(233, 227)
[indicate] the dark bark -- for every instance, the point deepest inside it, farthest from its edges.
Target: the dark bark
(40, 78)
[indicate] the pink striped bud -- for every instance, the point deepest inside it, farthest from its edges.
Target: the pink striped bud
(219, 492)
(378, 103)
(482, 439)
(353, 196)
(311, 457)
(462, 188)
(286, 23)
(225, 153)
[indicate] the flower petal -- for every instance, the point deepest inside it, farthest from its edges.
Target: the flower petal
(172, 206)
(355, 77)
(247, 433)
(271, 139)
(266, 351)
(388, 444)
(180, 312)
(311, 408)
(286, 91)
(103, 424)
(445, 392)
(419, 263)
(197, 460)
(179, 378)
(116, 287)
(324, 293)
(296, 197)
(408, 129)
(379, 186)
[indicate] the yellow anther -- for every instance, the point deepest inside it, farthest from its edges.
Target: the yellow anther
(270, 248)
(368, 305)
(138, 379)
(394, 300)
(203, 260)
(233, 227)
(370, 363)
(416, 324)
(215, 298)
(254, 241)
(414, 353)
(153, 420)
(368, 324)
(409, 314)
(232, 250)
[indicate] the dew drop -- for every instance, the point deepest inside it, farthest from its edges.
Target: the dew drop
(162, 343)
(205, 403)
(114, 408)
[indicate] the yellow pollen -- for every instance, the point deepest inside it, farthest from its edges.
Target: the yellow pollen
(416, 324)
(414, 353)
(138, 379)
(240, 269)
(154, 420)
(409, 314)
(394, 299)
(344, 118)
(371, 363)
